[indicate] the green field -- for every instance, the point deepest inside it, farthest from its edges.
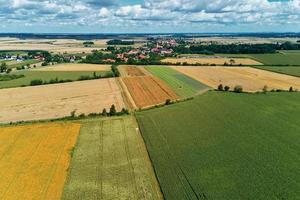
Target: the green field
(294, 71)
(45, 76)
(226, 146)
(110, 162)
(281, 58)
(278, 58)
(183, 85)
(13, 64)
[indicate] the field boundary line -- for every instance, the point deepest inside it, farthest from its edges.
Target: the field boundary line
(128, 100)
(149, 164)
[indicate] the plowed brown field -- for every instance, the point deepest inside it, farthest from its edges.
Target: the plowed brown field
(130, 71)
(34, 160)
(59, 100)
(148, 91)
(250, 79)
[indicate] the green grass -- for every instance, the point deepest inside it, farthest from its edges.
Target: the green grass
(183, 85)
(226, 146)
(278, 58)
(24, 63)
(108, 163)
(44, 76)
(281, 58)
(293, 71)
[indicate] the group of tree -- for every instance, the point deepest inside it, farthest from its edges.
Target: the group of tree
(237, 89)
(120, 42)
(88, 43)
(235, 48)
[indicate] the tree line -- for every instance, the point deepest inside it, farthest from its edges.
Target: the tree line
(235, 48)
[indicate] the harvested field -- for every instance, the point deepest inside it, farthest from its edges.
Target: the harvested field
(131, 71)
(111, 162)
(58, 100)
(148, 91)
(34, 160)
(75, 67)
(52, 45)
(210, 61)
(250, 79)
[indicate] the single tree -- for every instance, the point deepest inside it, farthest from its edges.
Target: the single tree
(226, 88)
(220, 87)
(112, 110)
(104, 112)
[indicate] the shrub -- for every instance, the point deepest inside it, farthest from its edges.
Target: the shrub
(265, 89)
(124, 112)
(226, 88)
(36, 82)
(238, 89)
(220, 87)
(73, 114)
(168, 102)
(104, 112)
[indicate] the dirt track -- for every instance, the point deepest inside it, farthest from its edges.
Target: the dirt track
(56, 101)
(250, 79)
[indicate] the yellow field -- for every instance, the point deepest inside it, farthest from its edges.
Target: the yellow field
(75, 67)
(34, 160)
(210, 61)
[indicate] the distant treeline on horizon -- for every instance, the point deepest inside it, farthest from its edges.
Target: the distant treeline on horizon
(130, 35)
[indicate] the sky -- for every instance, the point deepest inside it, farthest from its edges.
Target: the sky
(149, 16)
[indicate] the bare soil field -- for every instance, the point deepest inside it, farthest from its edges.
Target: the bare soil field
(148, 91)
(75, 67)
(210, 61)
(54, 46)
(58, 100)
(250, 79)
(131, 71)
(34, 160)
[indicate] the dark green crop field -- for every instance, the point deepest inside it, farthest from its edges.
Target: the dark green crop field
(294, 71)
(183, 85)
(278, 58)
(226, 146)
(45, 76)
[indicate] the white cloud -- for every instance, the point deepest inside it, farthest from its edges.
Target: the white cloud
(151, 13)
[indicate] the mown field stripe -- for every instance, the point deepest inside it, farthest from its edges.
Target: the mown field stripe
(183, 85)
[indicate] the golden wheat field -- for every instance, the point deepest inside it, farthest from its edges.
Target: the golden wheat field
(74, 67)
(34, 160)
(213, 61)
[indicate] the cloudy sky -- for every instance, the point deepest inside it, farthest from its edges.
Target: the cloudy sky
(132, 16)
